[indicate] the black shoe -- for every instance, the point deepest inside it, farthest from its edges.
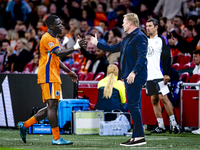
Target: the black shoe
(136, 143)
(125, 142)
(158, 130)
(176, 129)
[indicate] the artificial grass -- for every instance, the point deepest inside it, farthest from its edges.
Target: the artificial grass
(10, 140)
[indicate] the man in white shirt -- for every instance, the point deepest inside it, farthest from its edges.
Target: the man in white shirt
(158, 66)
(196, 61)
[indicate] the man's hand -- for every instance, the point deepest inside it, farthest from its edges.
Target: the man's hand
(82, 42)
(131, 77)
(73, 75)
(166, 79)
(94, 40)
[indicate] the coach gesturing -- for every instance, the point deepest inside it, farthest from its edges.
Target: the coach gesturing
(133, 65)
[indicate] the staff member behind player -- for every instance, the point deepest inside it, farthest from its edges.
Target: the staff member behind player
(159, 51)
(49, 78)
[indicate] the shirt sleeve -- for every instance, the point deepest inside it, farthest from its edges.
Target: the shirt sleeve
(50, 44)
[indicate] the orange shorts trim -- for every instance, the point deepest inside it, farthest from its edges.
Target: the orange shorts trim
(50, 91)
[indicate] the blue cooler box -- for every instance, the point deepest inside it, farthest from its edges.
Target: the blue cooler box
(40, 129)
(66, 106)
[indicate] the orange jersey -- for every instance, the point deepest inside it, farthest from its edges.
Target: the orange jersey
(48, 70)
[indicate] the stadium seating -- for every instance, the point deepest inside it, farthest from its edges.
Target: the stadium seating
(99, 76)
(81, 75)
(176, 59)
(89, 76)
(76, 66)
(194, 78)
(192, 65)
(66, 64)
(186, 66)
(176, 66)
(184, 77)
(185, 59)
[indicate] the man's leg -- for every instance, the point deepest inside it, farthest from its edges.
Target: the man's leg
(169, 108)
(23, 126)
(158, 114)
(133, 103)
(53, 120)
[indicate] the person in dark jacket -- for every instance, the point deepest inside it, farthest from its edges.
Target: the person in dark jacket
(133, 65)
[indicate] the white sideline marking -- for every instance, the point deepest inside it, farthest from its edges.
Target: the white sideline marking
(81, 148)
(156, 139)
(15, 139)
(145, 147)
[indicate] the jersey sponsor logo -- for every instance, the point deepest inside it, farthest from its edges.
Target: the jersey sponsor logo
(50, 44)
(150, 51)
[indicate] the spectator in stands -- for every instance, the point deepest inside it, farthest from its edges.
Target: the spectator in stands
(9, 56)
(12, 36)
(3, 34)
(129, 7)
(88, 36)
(32, 67)
(41, 31)
(23, 55)
(85, 28)
(85, 17)
(162, 28)
(111, 92)
(113, 5)
(9, 59)
(196, 61)
(74, 29)
(196, 35)
(104, 26)
(5, 44)
(90, 48)
(99, 32)
(190, 39)
(192, 20)
(99, 62)
(19, 10)
(114, 37)
(179, 22)
(65, 15)
(171, 8)
(100, 14)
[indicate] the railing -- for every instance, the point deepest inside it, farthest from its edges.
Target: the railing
(181, 98)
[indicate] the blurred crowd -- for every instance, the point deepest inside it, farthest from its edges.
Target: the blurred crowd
(22, 23)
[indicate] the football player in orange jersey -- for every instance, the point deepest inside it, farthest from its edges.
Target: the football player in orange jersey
(49, 78)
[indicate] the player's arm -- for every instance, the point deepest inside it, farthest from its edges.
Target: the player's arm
(72, 74)
(61, 53)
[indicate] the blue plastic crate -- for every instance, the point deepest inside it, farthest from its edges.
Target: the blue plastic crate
(66, 106)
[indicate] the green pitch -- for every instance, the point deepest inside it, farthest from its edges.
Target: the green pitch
(10, 140)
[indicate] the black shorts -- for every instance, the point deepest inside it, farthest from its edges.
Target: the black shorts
(152, 87)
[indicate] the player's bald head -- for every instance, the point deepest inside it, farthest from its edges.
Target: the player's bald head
(50, 20)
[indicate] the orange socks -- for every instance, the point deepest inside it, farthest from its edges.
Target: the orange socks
(30, 122)
(55, 132)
